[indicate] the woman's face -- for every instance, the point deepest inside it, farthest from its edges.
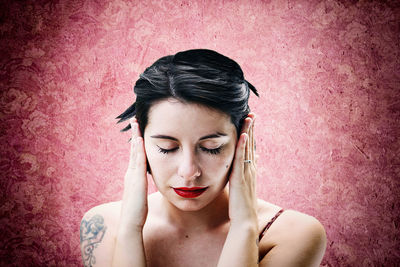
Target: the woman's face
(190, 149)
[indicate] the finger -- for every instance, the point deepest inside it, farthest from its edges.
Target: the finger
(140, 151)
(132, 157)
(245, 129)
(252, 155)
(252, 142)
(248, 141)
(238, 165)
(251, 138)
(247, 148)
(251, 115)
(131, 122)
(140, 155)
(246, 125)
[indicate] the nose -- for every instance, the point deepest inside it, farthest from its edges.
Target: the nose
(188, 166)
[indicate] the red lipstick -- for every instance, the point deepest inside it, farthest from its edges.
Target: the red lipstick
(189, 192)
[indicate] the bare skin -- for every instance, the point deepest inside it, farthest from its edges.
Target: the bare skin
(218, 228)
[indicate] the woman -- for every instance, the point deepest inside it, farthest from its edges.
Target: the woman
(193, 132)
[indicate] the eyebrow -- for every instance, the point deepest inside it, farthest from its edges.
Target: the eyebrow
(216, 135)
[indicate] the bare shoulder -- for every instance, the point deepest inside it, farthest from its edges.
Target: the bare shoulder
(97, 233)
(298, 226)
(293, 222)
(294, 239)
(266, 211)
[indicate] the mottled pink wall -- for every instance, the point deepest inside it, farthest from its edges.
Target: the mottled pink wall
(327, 128)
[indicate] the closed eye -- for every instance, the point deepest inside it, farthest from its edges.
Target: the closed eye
(213, 151)
(166, 151)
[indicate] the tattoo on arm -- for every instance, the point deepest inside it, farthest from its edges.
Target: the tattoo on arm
(91, 233)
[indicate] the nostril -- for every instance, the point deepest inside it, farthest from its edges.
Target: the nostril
(189, 172)
(197, 174)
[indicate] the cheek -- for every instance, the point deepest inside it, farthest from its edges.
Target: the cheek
(155, 160)
(218, 165)
(228, 160)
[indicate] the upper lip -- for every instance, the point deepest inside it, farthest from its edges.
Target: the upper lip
(190, 188)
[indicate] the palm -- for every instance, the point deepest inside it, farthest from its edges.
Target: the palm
(242, 191)
(134, 204)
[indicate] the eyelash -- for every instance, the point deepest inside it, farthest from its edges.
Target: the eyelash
(213, 151)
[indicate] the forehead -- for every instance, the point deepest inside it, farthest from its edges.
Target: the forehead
(172, 116)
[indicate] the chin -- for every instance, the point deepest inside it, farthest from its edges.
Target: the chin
(190, 205)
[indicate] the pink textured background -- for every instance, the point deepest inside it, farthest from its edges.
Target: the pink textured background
(327, 128)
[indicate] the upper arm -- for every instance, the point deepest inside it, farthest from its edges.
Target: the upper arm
(303, 244)
(96, 237)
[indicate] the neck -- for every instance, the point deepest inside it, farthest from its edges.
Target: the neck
(210, 217)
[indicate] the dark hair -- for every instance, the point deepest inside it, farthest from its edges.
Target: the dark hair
(198, 76)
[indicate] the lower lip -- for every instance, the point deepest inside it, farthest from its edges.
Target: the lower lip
(190, 193)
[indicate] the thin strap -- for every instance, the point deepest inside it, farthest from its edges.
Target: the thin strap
(270, 223)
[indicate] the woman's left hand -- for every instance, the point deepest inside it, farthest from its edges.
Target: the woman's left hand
(242, 181)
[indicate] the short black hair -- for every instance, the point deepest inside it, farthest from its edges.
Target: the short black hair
(199, 76)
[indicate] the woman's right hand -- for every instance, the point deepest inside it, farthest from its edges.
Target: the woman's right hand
(129, 248)
(134, 202)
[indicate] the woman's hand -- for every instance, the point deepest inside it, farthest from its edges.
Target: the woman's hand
(129, 248)
(134, 203)
(242, 182)
(241, 244)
